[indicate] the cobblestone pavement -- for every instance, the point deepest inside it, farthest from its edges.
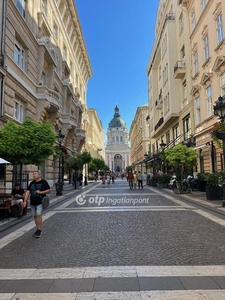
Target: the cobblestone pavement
(87, 231)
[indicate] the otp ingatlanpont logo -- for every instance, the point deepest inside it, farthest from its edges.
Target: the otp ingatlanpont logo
(81, 200)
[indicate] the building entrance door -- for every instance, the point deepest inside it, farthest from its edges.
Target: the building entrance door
(118, 163)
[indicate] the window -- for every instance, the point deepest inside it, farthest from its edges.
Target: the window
(117, 139)
(193, 20)
(181, 22)
(64, 53)
(18, 111)
(186, 127)
(206, 47)
(209, 101)
(167, 137)
(222, 84)
(19, 56)
(184, 91)
(196, 62)
(44, 6)
(219, 28)
(121, 138)
(55, 31)
(203, 4)
(21, 5)
(198, 115)
(175, 132)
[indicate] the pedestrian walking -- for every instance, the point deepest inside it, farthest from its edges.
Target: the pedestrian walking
(140, 180)
(37, 189)
(144, 178)
(130, 179)
(135, 180)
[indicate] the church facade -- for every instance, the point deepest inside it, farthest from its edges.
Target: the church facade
(117, 151)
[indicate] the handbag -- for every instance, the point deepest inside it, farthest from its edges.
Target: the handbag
(44, 200)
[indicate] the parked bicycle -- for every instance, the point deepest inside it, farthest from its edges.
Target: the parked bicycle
(178, 188)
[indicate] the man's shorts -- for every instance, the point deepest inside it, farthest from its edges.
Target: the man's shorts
(36, 210)
(16, 201)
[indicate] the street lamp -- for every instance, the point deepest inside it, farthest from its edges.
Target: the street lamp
(219, 110)
(59, 184)
(163, 146)
(154, 169)
(146, 162)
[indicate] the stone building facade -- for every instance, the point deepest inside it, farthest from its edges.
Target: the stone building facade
(95, 134)
(186, 74)
(139, 138)
(45, 70)
(117, 151)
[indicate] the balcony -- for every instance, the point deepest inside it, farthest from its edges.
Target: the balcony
(184, 2)
(158, 104)
(53, 98)
(81, 133)
(160, 122)
(179, 69)
(69, 121)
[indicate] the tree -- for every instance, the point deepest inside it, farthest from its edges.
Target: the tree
(129, 168)
(28, 143)
(180, 156)
(92, 167)
(100, 164)
(86, 157)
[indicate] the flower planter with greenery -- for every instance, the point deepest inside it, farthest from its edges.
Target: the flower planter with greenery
(201, 181)
(213, 188)
(217, 133)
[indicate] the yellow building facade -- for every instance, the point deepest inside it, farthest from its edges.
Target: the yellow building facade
(95, 134)
(139, 138)
(207, 46)
(44, 70)
(186, 75)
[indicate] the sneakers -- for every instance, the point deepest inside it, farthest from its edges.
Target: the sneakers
(37, 234)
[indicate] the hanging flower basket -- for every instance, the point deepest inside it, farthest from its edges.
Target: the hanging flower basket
(217, 133)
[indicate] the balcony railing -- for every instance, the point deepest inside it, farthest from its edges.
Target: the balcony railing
(179, 69)
(160, 122)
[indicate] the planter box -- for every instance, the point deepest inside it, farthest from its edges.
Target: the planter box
(213, 193)
(220, 135)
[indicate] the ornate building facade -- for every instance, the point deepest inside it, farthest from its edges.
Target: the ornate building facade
(117, 151)
(95, 134)
(139, 137)
(44, 70)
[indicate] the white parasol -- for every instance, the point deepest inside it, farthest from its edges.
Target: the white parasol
(3, 161)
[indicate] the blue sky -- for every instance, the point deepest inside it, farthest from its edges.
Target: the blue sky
(119, 36)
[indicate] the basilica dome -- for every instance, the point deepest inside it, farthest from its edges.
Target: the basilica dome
(117, 121)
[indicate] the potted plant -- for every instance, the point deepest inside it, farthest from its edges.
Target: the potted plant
(201, 181)
(159, 179)
(213, 189)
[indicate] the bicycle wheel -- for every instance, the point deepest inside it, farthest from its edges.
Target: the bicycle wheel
(177, 188)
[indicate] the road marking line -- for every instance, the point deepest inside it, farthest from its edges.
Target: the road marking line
(113, 271)
(210, 217)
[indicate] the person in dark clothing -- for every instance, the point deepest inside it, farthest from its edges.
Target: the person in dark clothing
(18, 197)
(37, 189)
(80, 178)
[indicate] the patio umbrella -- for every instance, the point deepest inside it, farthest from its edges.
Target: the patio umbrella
(3, 161)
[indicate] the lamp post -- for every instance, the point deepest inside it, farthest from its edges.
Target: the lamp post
(163, 146)
(219, 110)
(59, 184)
(146, 162)
(154, 169)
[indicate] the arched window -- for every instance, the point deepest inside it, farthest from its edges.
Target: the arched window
(121, 138)
(117, 139)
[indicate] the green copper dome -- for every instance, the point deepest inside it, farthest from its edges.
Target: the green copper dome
(117, 121)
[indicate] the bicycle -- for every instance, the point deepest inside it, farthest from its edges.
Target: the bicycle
(178, 189)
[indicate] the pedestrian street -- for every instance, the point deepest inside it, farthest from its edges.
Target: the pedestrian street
(110, 242)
